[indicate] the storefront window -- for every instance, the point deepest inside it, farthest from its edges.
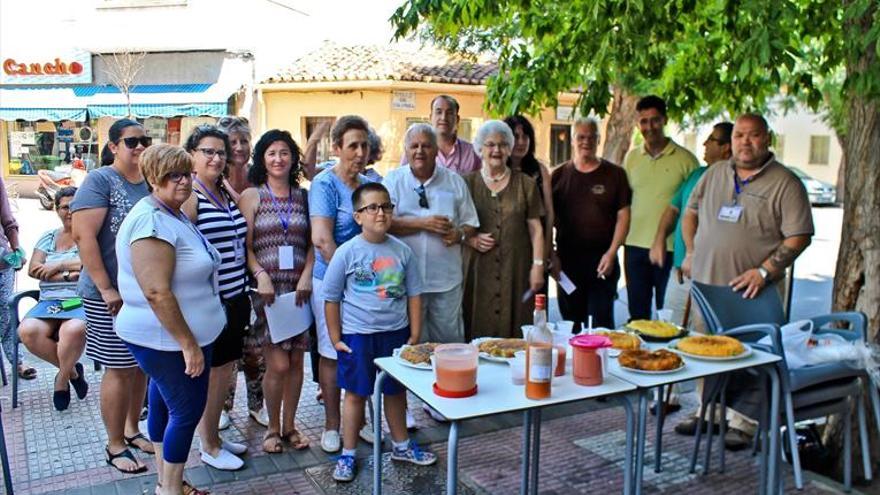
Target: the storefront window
(50, 146)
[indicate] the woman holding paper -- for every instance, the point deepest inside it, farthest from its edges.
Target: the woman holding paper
(212, 209)
(280, 257)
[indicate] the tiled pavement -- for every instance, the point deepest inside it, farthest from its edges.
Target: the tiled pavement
(62, 453)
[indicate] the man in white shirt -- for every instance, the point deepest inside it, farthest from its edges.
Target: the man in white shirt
(434, 215)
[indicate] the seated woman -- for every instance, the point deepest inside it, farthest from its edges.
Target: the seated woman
(54, 335)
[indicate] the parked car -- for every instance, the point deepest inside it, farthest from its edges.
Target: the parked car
(820, 193)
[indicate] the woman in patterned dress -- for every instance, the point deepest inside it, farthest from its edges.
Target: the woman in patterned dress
(280, 257)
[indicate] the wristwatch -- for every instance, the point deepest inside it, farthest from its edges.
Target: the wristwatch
(66, 275)
(764, 273)
(538, 262)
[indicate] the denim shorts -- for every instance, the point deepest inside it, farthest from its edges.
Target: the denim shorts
(355, 371)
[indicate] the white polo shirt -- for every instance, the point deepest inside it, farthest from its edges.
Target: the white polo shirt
(448, 195)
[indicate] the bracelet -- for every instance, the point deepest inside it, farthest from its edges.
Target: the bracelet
(538, 262)
(258, 272)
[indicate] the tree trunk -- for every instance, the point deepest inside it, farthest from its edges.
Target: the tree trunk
(841, 169)
(857, 279)
(619, 129)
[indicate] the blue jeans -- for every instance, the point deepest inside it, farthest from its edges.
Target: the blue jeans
(644, 281)
(7, 288)
(176, 400)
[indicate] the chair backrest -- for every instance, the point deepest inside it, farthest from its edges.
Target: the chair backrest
(723, 308)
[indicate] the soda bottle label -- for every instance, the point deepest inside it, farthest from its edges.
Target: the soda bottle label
(540, 364)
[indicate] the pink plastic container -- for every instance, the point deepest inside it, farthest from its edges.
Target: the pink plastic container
(589, 358)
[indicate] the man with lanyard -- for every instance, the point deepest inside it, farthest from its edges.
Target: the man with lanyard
(655, 171)
(454, 153)
(435, 216)
(746, 222)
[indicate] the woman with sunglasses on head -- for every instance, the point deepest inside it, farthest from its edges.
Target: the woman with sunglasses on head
(172, 313)
(280, 258)
(216, 215)
(99, 207)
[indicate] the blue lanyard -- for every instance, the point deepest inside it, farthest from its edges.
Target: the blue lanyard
(737, 188)
(285, 222)
(182, 218)
(220, 204)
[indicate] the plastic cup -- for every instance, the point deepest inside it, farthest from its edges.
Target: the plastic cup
(565, 326)
(560, 345)
(664, 315)
(518, 368)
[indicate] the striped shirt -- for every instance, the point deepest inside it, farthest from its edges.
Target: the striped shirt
(224, 229)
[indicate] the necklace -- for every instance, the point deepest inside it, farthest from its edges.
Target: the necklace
(486, 175)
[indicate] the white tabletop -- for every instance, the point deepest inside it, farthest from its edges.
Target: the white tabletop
(495, 392)
(694, 368)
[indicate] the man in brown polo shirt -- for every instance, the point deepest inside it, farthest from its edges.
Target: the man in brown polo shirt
(746, 222)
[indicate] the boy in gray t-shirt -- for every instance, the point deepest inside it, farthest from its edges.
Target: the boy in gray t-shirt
(373, 279)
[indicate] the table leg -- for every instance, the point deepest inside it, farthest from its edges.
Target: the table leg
(628, 448)
(773, 430)
(526, 451)
(452, 460)
(377, 433)
(640, 439)
(658, 433)
(536, 450)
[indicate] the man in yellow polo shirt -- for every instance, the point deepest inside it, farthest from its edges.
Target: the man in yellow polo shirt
(655, 171)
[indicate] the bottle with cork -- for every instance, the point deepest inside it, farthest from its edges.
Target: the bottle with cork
(539, 353)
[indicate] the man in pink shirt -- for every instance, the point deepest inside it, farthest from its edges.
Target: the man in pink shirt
(454, 153)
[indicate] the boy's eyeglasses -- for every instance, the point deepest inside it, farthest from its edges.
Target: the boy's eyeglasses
(374, 208)
(178, 177)
(132, 142)
(423, 196)
(210, 153)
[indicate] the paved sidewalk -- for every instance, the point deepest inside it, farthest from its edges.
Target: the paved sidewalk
(582, 452)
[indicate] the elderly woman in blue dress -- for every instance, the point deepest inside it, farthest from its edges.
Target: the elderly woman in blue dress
(54, 335)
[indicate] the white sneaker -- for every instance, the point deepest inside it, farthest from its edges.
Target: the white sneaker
(235, 448)
(225, 460)
(434, 414)
(261, 416)
(366, 434)
(330, 441)
(411, 421)
(224, 421)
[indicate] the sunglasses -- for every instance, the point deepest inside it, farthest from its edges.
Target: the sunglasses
(178, 177)
(374, 208)
(132, 142)
(423, 196)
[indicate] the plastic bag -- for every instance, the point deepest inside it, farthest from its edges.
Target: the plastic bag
(796, 343)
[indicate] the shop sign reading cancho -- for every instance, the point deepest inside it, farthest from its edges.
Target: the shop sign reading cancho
(71, 66)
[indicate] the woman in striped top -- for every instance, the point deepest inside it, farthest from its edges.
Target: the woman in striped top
(212, 209)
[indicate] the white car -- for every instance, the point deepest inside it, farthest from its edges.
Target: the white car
(820, 193)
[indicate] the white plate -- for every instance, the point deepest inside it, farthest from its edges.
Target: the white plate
(648, 372)
(485, 355)
(420, 366)
(674, 347)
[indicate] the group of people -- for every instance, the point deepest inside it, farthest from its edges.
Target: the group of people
(177, 252)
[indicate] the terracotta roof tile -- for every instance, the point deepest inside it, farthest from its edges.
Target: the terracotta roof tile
(333, 62)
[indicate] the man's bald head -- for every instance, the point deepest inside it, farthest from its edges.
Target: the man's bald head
(751, 141)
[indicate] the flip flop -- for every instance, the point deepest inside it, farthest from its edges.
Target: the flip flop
(296, 439)
(28, 373)
(126, 454)
(279, 447)
(130, 441)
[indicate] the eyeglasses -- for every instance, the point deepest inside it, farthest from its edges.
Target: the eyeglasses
(132, 142)
(210, 153)
(374, 208)
(178, 177)
(423, 196)
(64, 208)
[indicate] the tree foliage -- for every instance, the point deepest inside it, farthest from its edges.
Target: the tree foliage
(705, 56)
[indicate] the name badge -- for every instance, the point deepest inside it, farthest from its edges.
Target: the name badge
(285, 257)
(730, 213)
(238, 247)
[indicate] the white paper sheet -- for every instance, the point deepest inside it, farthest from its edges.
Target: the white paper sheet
(566, 283)
(286, 319)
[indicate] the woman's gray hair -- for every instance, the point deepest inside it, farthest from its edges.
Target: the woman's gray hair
(416, 129)
(489, 128)
(231, 124)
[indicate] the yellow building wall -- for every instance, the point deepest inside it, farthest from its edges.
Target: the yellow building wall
(289, 109)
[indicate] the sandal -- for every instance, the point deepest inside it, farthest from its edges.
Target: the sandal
(296, 439)
(26, 372)
(127, 454)
(276, 447)
(191, 490)
(130, 441)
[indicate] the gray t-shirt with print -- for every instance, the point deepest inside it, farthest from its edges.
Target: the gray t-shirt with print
(106, 188)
